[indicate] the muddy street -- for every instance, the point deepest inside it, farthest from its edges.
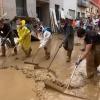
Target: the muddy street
(20, 81)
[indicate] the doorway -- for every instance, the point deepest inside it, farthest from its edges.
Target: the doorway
(42, 9)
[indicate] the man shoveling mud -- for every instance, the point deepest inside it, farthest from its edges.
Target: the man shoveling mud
(6, 33)
(92, 51)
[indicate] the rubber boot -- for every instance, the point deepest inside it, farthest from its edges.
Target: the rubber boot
(69, 56)
(29, 53)
(15, 50)
(47, 54)
(3, 51)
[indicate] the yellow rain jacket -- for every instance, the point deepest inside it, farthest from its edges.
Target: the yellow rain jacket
(24, 36)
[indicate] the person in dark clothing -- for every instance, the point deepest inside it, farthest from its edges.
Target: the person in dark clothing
(65, 25)
(99, 23)
(69, 39)
(80, 32)
(5, 33)
(92, 52)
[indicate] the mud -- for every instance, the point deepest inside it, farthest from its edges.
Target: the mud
(14, 86)
(19, 81)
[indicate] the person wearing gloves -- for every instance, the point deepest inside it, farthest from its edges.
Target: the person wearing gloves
(6, 33)
(24, 35)
(92, 51)
(45, 40)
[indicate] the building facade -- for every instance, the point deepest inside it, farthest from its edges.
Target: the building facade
(94, 7)
(75, 8)
(31, 8)
(18, 8)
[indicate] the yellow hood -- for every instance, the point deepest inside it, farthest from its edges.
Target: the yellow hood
(23, 22)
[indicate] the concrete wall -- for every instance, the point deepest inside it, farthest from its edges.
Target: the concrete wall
(57, 2)
(69, 4)
(72, 4)
(1, 7)
(10, 8)
(31, 8)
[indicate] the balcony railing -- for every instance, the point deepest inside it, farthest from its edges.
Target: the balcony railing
(83, 3)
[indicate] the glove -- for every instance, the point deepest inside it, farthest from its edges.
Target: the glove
(41, 45)
(79, 61)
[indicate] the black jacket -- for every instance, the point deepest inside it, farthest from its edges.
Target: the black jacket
(5, 31)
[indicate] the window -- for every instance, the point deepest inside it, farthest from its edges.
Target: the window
(78, 15)
(21, 7)
(57, 12)
(83, 15)
(72, 13)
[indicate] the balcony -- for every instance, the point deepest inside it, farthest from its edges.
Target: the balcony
(83, 3)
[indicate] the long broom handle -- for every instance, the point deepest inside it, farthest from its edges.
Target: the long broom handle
(71, 76)
(54, 56)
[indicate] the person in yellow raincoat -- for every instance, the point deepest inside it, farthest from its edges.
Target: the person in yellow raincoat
(24, 35)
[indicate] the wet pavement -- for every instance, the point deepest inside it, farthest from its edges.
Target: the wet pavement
(14, 85)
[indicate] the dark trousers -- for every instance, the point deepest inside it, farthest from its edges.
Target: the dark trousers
(11, 41)
(93, 61)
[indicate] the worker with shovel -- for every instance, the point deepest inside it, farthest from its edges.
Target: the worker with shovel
(24, 35)
(6, 33)
(92, 51)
